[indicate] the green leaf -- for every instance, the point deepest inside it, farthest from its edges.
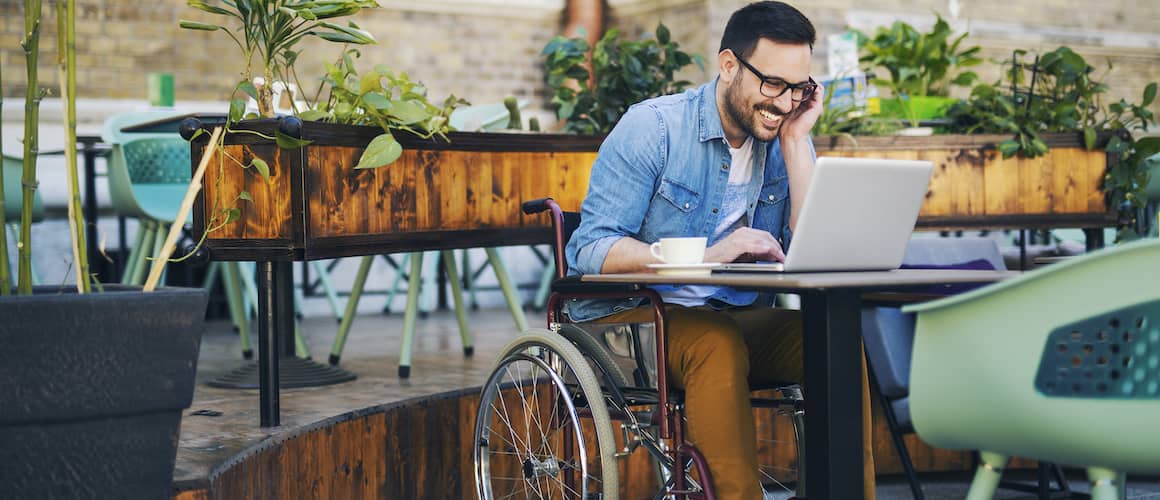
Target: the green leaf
(248, 88)
(193, 25)
(245, 195)
(262, 168)
(409, 112)
(287, 142)
(1089, 137)
(1008, 148)
(377, 101)
(663, 35)
(212, 9)
(382, 151)
(237, 109)
(313, 115)
(370, 82)
(232, 214)
(361, 37)
(1149, 94)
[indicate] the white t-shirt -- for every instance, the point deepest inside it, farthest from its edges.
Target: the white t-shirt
(732, 215)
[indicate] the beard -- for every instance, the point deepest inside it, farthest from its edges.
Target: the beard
(746, 116)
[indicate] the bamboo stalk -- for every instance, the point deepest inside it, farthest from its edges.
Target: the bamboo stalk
(5, 272)
(67, 60)
(182, 213)
(28, 183)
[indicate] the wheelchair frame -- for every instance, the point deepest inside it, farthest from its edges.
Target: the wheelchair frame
(576, 388)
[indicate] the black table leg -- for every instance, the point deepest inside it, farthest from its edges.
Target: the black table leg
(272, 325)
(833, 382)
(92, 250)
(277, 366)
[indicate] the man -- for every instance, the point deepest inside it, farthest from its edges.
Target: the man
(730, 160)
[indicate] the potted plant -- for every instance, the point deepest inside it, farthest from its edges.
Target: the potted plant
(922, 67)
(623, 73)
(94, 382)
(1059, 93)
(418, 185)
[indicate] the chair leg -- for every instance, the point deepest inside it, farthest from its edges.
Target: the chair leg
(428, 283)
(469, 279)
(300, 348)
(515, 305)
(457, 299)
(212, 274)
(328, 288)
(545, 287)
(900, 447)
(137, 277)
(395, 282)
(798, 417)
(1107, 484)
(356, 290)
(134, 253)
(159, 235)
(232, 283)
(987, 476)
(409, 315)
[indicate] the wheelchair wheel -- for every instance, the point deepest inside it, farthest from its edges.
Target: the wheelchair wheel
(591, 348)
(530, 438)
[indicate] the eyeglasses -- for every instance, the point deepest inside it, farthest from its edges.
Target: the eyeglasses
(774, 87)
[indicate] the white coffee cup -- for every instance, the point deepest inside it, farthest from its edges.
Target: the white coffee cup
(679, 251)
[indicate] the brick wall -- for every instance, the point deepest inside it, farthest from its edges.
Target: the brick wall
(1122, 32)
(484, 50)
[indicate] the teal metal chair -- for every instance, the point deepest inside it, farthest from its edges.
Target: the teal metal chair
(1061, 364)
(13, 170)
(414, 263)
(148, 178)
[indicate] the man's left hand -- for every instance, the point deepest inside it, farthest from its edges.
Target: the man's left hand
(802, 119)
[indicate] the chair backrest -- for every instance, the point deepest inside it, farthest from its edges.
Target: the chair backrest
(888, 334)
(571, 223)
(111, 129)
(1060, 364)
(159, 159)
(13, 171)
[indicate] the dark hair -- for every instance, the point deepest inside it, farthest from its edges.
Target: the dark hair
(772, 20)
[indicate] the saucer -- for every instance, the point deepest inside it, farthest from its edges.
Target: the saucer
(701, 269)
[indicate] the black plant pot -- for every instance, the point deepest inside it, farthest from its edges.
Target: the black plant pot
(92, 389)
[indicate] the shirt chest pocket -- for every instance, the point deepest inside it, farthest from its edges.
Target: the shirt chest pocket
(680, 196)
(771, 205)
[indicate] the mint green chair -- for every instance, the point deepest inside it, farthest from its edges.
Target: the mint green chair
(148, 178)
(13, 170)
(1061, 364)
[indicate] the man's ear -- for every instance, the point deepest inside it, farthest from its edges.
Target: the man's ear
(727, 65)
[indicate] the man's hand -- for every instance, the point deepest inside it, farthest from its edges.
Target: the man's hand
(801, 120)
(747, 244)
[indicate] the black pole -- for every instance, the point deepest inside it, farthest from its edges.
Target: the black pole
(268, 348)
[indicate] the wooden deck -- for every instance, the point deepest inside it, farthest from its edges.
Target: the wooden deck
(382, 437)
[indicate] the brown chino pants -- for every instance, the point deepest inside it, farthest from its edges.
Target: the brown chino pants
(714, 356)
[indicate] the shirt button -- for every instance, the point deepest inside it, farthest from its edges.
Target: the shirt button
(725, 166)
(772, 197)
(686, 206)
(714, 210)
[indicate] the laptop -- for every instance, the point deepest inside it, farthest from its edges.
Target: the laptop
(857, 216)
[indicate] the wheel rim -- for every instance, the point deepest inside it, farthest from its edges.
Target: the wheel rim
(522, 432)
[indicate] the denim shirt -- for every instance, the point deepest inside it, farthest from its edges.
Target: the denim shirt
(662, 172)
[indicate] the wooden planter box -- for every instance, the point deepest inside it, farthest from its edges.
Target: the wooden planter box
(467, 192)
(439, 194)
(974, 187)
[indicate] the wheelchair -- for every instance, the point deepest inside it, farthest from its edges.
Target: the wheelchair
(556, 398)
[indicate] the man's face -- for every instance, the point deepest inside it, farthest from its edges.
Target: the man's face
(747, 110)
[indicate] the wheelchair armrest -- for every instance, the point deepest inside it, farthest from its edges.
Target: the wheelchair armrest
(573, 285)
(535, 206)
